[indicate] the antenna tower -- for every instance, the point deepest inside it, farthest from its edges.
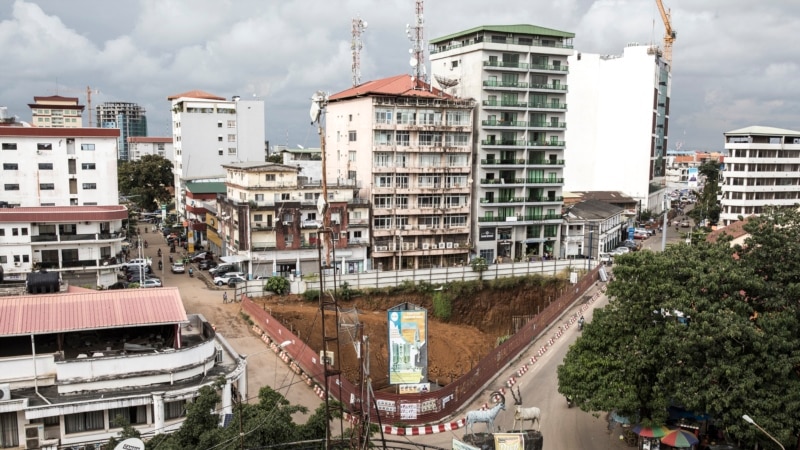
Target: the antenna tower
(359, 26)
(417, 37)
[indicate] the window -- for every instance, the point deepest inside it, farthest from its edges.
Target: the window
(15, 231)
(219, 152)
(24, 231)
(219, 124)
(45, 166)
(231, 124)
(382, 159)
(11, 187)
(132, 415)
(457, 118)
(88, 166)
(383, 201)
(47, 186)
(383, 137)
(382, 223)
(383, 116)
(231, 138)
(78, 423)
(90, 185)
(427, 138)
(4, 260)
(383, 181)
(350, 118)
(9, 145)
(10, 166)
(403, 138)
(258, 217)
(231, 150)
(173, 410)
(44, 146)
(2, 231)
(351, 135)
(219, 138)
(259, 197)
(270, 177)
(351, 156)
(89, 147)
(285, 196)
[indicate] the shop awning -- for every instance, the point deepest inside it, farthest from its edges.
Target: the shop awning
(233, 259)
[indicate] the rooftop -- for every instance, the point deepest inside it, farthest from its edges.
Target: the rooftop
(593, 210)
(55, 214)
(760, 130)
(520, 29)
(257, 166)
(196, 94)
(208, 187)
(399, 85)
(17, 131)
(153, 139)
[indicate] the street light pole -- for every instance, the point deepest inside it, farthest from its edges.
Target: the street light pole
(752, 422)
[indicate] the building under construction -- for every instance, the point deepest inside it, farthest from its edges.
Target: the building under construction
(129, 118)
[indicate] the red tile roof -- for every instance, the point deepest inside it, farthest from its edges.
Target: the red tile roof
(59, 132)
(63, 214)
(734, 230)
(62, 312)
(400, 85)
(195, 94)
(55, 98)
(153, 139)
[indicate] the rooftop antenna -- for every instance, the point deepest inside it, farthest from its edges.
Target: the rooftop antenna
(359, 26)
(417, 37)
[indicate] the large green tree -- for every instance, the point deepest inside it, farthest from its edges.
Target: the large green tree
(146, 181)
(735, 351)
(707, 206)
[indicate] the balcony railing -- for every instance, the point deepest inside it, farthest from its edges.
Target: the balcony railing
(75, 237)
(552, 180)
(507, 143)
(540, 105)
(522, 199)
(522, 124)
(554, 87)
(492, 40)
(505, 84)
(504, 64)
(530, 217)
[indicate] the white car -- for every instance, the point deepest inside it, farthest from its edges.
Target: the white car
(224, 279)
(621, 250)
(150, 283)
(137, 262)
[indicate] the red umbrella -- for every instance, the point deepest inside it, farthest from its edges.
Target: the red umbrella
(679, 438)
(651, 432)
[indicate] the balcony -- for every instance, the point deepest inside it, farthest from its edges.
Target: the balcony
(521, 143)
(533, 199)
(505, 65)
(494, 104)
(505, 84)
(526, 218)
(549, 87)
(503, 162)
(513, 181)
(49, 238)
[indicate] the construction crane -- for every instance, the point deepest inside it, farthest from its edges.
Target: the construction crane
(669, 33)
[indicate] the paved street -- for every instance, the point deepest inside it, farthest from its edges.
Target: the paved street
(199, 299)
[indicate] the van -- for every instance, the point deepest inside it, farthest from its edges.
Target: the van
(222, 269)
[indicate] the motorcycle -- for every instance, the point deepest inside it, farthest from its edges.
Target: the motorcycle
(145, 244)
(159, 253)
(580, 324)
(569, 402)
(191, 273)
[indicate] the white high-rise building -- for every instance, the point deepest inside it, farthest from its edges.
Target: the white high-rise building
(618, 124)
(518, 74)
(209, 131)
(760, 170)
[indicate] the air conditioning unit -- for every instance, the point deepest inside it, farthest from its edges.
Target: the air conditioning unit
(426, 246)
(449, 245)
(326, 357)
(441, 244)
(381, 248)
(34, 435)
(5, 392)
(456, 244)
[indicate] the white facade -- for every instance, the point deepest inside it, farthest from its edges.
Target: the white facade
(56, 111)
(209, 131)
(160, 146)
(58, 167)
(618, 124)
(760, 170)
(69, 393)
(412, 151)
(518, 74)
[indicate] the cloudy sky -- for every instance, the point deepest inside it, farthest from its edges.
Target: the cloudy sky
(735, 61)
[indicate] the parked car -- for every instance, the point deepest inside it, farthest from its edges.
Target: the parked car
(223, 269)
(150, 283)
(138, 279)
(202, 256)
(631, 245)
(685, 223)
(136, 262)
(233, 281)
(622, 250)
(606, 258)
(224, 279)
(641, 235)
(178, 267)
(206, 264)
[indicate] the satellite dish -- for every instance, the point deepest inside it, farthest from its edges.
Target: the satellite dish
(413, 62)
(317, 104)
(130, 444)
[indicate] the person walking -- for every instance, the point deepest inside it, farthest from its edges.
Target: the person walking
(225, 297)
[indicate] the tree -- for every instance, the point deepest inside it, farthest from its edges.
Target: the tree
(711, 327)
(276, 158)
(146, 181)
(707, 206)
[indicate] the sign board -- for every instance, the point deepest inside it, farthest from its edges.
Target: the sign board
(385, 405)
(488, 234)
(458, 445)
(691, 177)
(417, 388)
(631, 231)
(408, 411)
(408, 346)
(130, 444)
(509, 441)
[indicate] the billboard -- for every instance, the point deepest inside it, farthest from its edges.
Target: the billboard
(408, 346)
(691, 177)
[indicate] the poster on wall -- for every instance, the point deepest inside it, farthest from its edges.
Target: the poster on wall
(691, 177)
(509, 441)
(408, 346)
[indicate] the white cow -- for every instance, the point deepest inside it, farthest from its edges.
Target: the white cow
(521, 414)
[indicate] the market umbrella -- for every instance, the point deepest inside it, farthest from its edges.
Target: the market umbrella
(651, 432)
(679, 438)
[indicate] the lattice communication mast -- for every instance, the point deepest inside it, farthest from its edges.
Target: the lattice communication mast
(359, 26)
(417, 37)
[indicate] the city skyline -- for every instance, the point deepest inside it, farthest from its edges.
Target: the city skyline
(144, 51)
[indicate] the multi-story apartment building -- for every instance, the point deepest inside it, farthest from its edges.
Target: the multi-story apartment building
(269, 220)
(209, 131)
(519, 74)
(62, 185)
(413, 147)
(760, 170)
(150, 145)
(592, 227)
(72, 362)
(619, 124)
(128, 117)
(55, 111)
(201, 209)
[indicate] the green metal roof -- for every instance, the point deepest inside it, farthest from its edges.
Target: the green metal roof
(208, 187)
(510, 29)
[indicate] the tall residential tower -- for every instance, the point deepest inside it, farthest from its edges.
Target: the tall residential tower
(129, 118)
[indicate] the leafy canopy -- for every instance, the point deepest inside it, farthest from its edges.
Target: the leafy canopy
(735, 351)
(146, 181)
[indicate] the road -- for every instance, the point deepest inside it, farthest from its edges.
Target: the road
(262, 362)
(562, 428)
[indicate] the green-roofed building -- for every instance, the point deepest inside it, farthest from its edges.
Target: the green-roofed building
(201, 198)
(518, 75)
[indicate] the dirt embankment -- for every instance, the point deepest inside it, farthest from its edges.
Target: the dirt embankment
(481, 314)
